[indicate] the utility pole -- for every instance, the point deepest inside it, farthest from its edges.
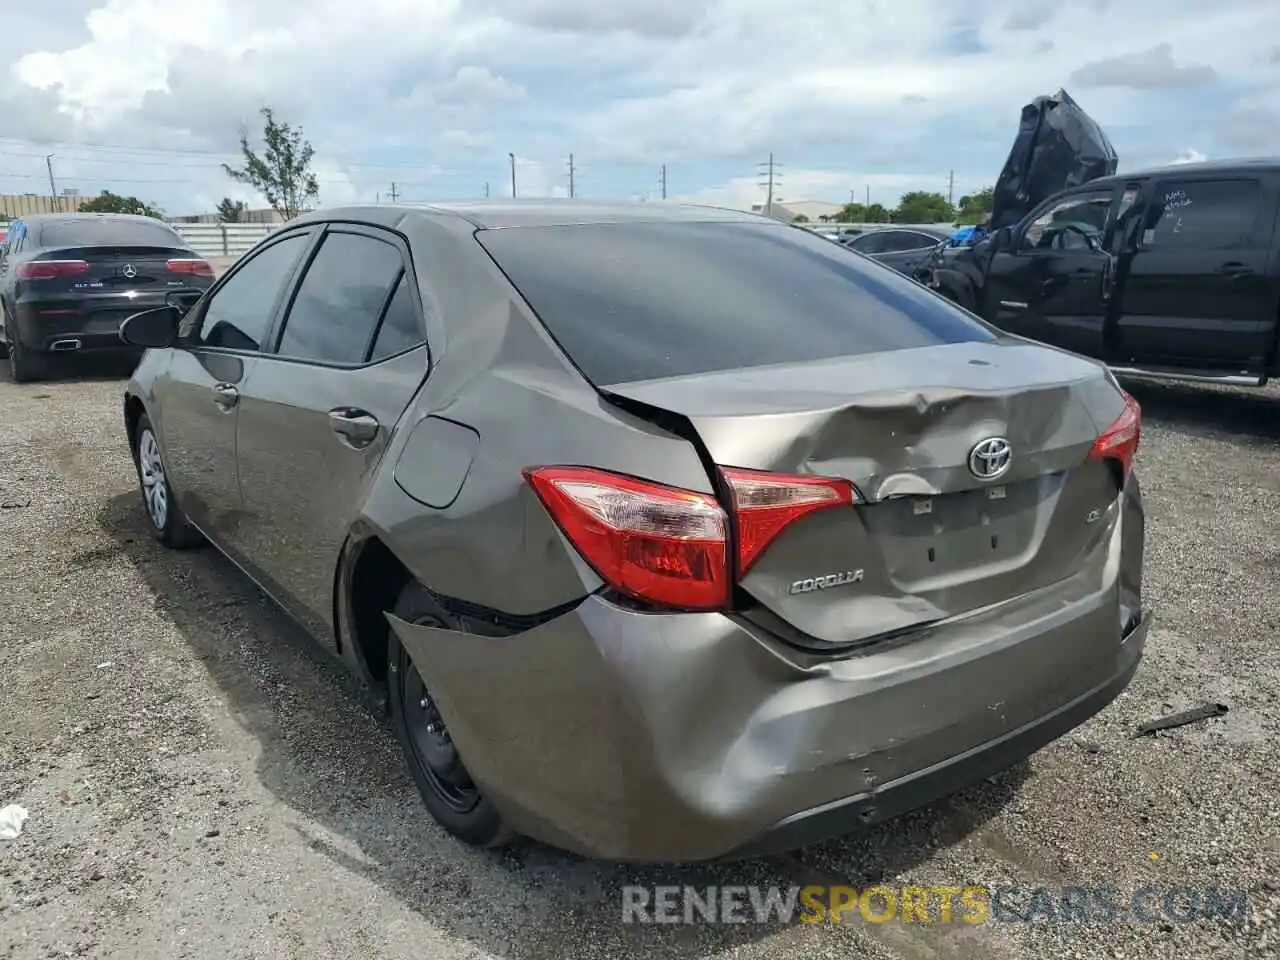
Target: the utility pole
(951, 186)
(868, 207)
(772, 179)
(486, 189)
(662, 181)
(571, 193)
(513, 175)
(53, 189)
(394, 194)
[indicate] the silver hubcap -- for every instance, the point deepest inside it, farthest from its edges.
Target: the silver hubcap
(151, 469)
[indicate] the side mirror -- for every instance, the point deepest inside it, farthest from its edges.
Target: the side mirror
(156, 328)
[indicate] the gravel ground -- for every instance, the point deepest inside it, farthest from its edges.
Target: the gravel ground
(202, 785)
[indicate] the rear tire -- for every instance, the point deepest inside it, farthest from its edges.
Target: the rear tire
(447, 791)
(165, 518)
(26, 366)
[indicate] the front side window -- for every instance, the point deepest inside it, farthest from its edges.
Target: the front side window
(340, 299)
(1075, 223)
(240, 312)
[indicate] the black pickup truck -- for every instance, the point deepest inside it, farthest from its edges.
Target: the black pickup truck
(1173, 272)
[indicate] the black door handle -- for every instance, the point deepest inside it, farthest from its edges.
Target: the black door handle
(355, 428)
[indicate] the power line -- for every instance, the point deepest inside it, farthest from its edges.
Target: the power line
(36, 151)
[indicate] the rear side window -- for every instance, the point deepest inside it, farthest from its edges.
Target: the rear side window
(644, 300)
(340, 299)
(400, 328)
(1205, 213)
(108, 232)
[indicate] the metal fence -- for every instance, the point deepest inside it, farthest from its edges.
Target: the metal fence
(223, 239)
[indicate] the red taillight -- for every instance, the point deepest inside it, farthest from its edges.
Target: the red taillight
(766, 503)
(656, 543)
(194, 267)
(1120, 440)
(50, 269)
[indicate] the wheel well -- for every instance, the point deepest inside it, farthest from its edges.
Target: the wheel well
(376, 581)
(133, 411)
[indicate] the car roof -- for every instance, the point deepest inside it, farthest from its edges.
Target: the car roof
(45, 218)
(1246, 165)
(496, 214)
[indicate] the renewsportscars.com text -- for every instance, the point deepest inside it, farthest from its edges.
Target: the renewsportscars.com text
(972, 904)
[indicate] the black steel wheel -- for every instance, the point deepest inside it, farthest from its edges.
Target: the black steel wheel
(434, 761)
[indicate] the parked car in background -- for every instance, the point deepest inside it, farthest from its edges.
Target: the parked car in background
(667, 532)
(68, 280)
(904, 249)
(1172, 272)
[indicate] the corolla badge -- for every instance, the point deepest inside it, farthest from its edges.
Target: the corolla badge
(810, 584)
(990, 458)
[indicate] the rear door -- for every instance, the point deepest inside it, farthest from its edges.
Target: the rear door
(1196, 288)
(317, 411)
(786, 355)
(1051, 283)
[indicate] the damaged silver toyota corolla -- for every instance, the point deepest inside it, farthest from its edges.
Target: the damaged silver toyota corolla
(670, 533)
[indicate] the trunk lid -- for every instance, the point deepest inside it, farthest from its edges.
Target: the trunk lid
(932, 539)
(1058, 146)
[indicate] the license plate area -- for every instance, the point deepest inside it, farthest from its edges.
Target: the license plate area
(926, 537)
(108, 321)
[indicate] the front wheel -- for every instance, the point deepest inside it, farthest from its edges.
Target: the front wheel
(447, 790)
(168, 523)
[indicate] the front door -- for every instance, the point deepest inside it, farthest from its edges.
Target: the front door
(318, 410)
(198, 395)
(1051, 284)
(1194, 286)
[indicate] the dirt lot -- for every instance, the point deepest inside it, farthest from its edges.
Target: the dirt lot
(201, 785)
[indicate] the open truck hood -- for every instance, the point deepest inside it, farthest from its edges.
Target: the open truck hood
(1058, 146)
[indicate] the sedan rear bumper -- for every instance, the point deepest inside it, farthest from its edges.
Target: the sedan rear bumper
(55, 326)
(676, 737)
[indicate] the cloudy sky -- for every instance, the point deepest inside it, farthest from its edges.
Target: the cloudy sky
(147, 97)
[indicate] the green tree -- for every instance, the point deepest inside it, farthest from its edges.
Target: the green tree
(108, 202)
(921, 207)
(852, 213)
(975, 207)
(876, 213)
(231, 211)
(282, 172)
(800, 218)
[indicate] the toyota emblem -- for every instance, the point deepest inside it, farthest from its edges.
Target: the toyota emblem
(130, 271)
(990, 458)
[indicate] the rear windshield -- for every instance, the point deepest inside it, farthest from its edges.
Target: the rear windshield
(97, 233)
(644, 300)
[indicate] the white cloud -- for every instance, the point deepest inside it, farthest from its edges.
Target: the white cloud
(432, 94)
